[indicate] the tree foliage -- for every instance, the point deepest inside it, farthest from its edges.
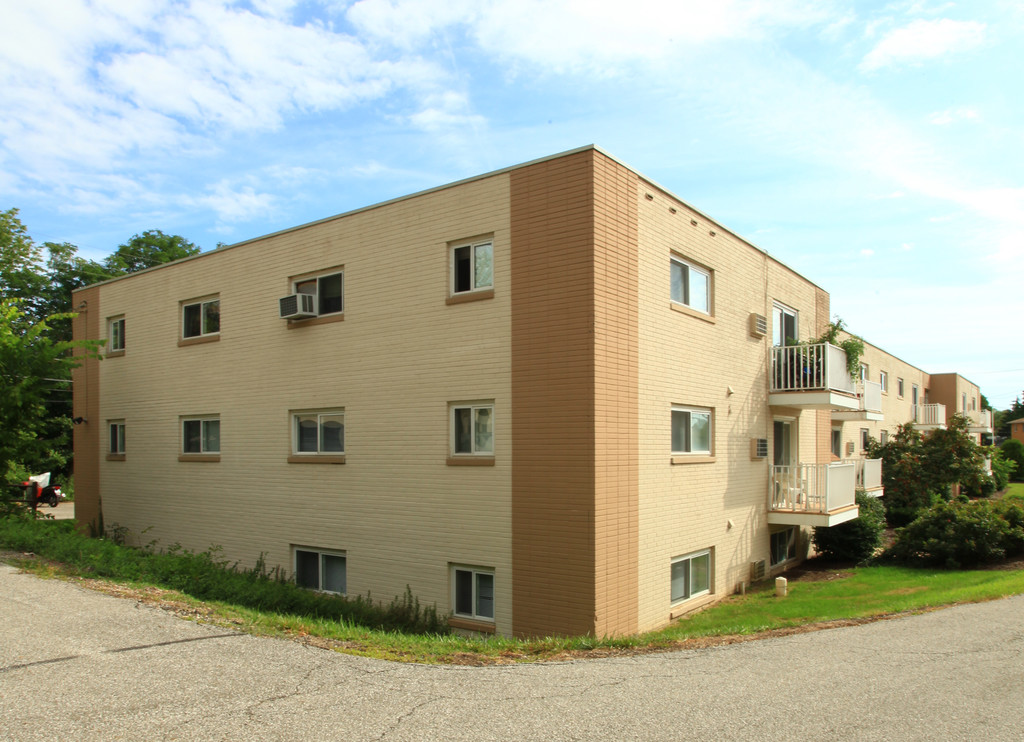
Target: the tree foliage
(1013, 451)
(855, 540)
(145, 250)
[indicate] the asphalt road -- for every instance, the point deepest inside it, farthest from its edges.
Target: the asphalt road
(78, 665)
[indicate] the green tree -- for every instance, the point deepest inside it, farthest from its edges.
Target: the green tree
(1013, 451)
(1003, 417)
(855, 540)
(150, 248)
(33, 439)
(20, 262)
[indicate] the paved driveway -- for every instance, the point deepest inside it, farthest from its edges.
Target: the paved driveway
(77, 665)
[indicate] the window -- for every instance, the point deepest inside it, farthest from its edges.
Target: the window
(865, 439)
(473, 593)
(691, 576)
(964, 402)
(320, 570)
(200, 318)
(472, 430)
(837, 442)
(200, 435)
(115, 335)
(116, 437)
(783, 545)
(899, 387)
(319, 432)
(914, 394)
(691, 286)
(883, 381)
(883, 437)
(784, 325)
(691, 430)
(472, 267)
(864, 374)
(328, 289)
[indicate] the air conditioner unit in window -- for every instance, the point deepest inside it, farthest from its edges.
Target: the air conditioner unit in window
(758, 325)
(757, 570)
(298, 306)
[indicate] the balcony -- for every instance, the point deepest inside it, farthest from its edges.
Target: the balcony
(979, 421)
(869, 476)
(869, 394)
(812, 494)
(929, 416)
(811, 377)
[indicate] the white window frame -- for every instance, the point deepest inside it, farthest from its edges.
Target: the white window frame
(883, 437)
(204, 423)
(331, 273)
(322, 555)
(320, 420)
(779, 314)
(865, 372)
(900, 388)
(790, 535)
(116, 436)
(476, 573)
(865, 435)
(687, 563)
(837, 442)
(473, 247)
(474, 408)
(691, 412)
(883, 381)
(115, 334)
(204, 310)
(687, 269)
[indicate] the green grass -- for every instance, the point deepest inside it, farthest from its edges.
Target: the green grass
(1014, 491)
(253, 603)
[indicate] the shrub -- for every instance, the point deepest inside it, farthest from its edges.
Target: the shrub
(1013, 450)
(956, 535)
(855, 539)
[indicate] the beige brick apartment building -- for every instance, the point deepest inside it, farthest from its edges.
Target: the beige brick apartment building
(547, 399)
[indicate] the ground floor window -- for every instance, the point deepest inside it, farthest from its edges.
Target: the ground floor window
(117, 428)
(837, 442)
(321, 570)
(691, 575)
(783, 545)
(200, 435)
(473, 593)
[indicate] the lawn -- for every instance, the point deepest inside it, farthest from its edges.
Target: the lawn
(260, 604)
(1015, 491)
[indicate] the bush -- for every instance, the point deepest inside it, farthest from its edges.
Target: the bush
(206, 576)
(856, 539)
(961, 534)
(1013, 450)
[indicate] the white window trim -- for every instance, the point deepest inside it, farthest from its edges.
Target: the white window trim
(711, 429)
(900, 387)
(453, 268)
(694, 268)
(317, 277)
(119, 335)
(202, 303)
(119, 447)
(321, 553)
(320, 413)
(203, 421)
(778, 309)
(473, 598)
(690, 558)
(473, 407)
(883, 381)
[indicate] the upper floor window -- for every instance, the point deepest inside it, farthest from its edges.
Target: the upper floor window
(472, 429)
(116, 445)
(691, 430)
(200, 318)
(784, 325)
(319, 432)
(690, 285)
(472, 267)
(200, 435)
(864, 372)
(329, 290)
(899, 387)
(115, 335)
(883, 380)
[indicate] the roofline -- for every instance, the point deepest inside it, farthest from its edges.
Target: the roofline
(482, 176)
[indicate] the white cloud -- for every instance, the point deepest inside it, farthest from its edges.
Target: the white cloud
(235, 203)
(922, 40)
(941, 118)
(867, 252)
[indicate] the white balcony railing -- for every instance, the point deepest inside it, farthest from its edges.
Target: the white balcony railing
(930, 414)
(979, 419)
(807, 368)
(871, 396)
(869, 474)
(812, 488)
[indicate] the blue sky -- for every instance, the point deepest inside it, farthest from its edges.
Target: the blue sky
(877, 148)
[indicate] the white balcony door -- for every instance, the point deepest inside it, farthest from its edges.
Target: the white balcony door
(783, 443)
(784, 324)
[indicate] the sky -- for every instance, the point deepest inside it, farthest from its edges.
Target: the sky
(875, 147)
